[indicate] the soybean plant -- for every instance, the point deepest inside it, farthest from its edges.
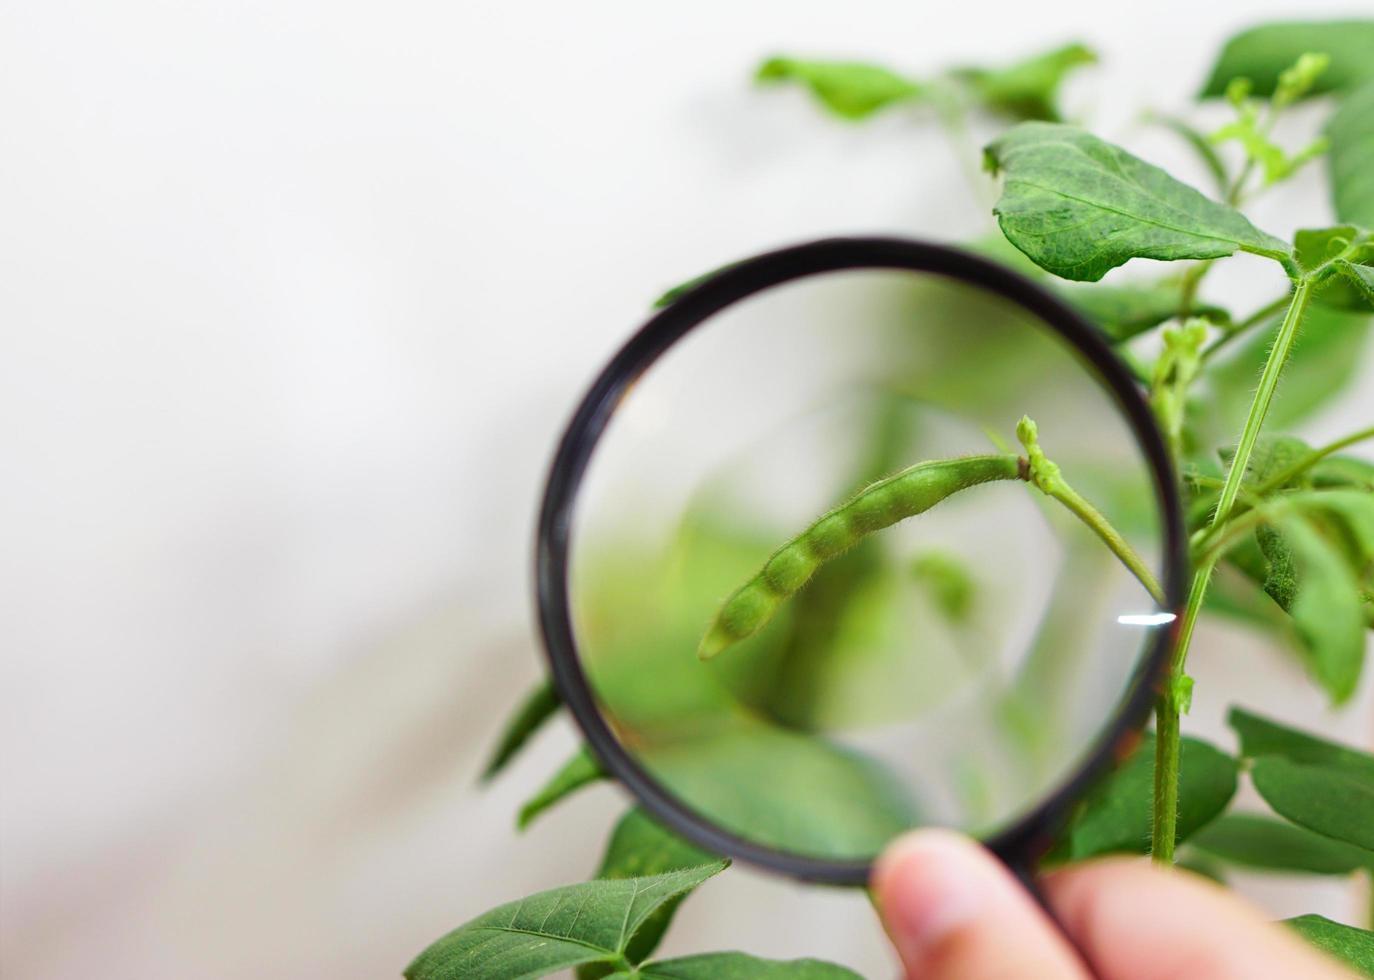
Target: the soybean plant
(1282, 529)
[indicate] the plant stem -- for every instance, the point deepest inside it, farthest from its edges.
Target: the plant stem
(1046, 476)
(1254, 319)
(1110, 536)
(1170, 703)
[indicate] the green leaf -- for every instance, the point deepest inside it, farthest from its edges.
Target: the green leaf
(1343, 471)
(591, 922)
(1261, 54)
(1315, 247)
(1260, 736)
(581, 770)
(1116, 814)
(850, 90)
(1346, 514)
(1351, 132)
(951, 584)
(1261, 842)
(1360, 276)
(1079, 206)
(1028, 89)
(741, 966)
(1326, 610)
(1353, 946)
(790, 791)
(640, 846)
(1123, 311)
(1330, 801)
(538, 706)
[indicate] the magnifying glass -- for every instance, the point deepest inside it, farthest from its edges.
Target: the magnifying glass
(803, 588)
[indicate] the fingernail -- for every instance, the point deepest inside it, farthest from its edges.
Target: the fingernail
(928, 885)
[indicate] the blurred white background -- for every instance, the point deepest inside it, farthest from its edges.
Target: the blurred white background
(295, 298)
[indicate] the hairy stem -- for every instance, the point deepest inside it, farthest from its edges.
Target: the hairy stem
(1048, 478)
(1261, 315)
(1171, 701)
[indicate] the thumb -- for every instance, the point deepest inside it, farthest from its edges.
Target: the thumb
(1135, 921)
(952, 910)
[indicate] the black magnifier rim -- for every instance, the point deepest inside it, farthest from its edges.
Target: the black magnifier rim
(1024, 841)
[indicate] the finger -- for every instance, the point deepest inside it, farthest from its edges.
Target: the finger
(1135, 921)
(952, 910)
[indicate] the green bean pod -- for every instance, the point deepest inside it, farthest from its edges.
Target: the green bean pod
(902, 495)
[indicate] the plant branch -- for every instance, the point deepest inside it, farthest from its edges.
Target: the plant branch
(1047, 477)
(1172, 700)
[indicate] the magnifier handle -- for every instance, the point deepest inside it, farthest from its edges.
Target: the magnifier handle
(1026, 875)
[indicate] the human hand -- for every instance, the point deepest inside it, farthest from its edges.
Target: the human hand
(953, 911)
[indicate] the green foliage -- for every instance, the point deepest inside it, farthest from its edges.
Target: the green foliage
(640, 847)
(1332, 802)
(1079, 206)
(1325, 607)
(579, 771)
(1262, 54)
(949, 581)
(554, 930)
(1260, 736)
(1266, 844)
(1351, 133)
(1251, 129)
(1318, 246)
(738, 966)
(741, 738)
(1115, 815)
(537, 708)
(794, 792)
(851, 90)
(1355, 947)
(1028, 89)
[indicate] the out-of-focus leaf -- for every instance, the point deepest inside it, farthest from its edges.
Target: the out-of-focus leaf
(670, 296)
(1330, 801)
(555, 930)
(1262, 53)
(741, 966)
(538, 706)
(1326, 610)
(949, 581)
(794, 792)
(1123, 311)
(1347, 511)
(1080, 206)
(1116, 814)
(1353, 946)
(1260, 736)
(1270, 845)
(1324, 360)
(1351, 132)
(639, 847)
(1028, 89)
(850, 90)
(1343, 471)
(579, 771)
